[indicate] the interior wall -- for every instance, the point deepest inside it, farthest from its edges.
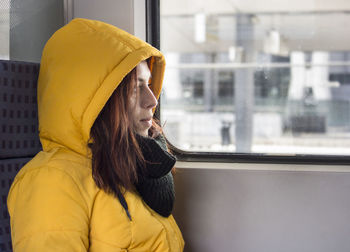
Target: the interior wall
(33, 22)
(115, 12)
(272, 211)
(127, 15)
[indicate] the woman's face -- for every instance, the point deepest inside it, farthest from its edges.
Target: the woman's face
(142, 101)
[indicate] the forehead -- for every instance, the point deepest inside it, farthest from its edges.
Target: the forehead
(143, 71)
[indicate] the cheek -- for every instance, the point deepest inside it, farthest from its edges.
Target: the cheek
(132, 101)
(132, 104)
(130, 110)
(133, 111)
(134, 116)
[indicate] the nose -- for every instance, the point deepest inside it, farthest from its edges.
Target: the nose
(149, 101)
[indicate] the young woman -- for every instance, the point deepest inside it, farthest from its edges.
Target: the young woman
(103, 181)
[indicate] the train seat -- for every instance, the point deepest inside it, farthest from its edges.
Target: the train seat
(19, 139)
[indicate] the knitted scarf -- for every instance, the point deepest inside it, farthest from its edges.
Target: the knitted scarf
(155, 181)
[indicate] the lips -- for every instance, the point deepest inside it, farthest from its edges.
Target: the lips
(147, 121)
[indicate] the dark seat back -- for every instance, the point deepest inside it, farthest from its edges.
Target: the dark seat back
(19, 140)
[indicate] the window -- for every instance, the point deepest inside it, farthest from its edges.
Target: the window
(26, 25)
(256, 76)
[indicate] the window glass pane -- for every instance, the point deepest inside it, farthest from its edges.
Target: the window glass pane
(257, 76)
(4, 29)
(26, 25)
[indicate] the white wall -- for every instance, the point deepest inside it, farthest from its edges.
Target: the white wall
(128, 15)
(263, 208)
(34, 21)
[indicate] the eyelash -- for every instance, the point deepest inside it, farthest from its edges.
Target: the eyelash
(139, 86)
(148, 84)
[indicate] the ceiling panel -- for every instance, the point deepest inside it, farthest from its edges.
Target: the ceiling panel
(306, 25)
(183, 7)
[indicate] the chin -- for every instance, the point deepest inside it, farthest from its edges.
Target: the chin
(143, 132)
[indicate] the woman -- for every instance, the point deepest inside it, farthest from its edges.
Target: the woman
(103, 181)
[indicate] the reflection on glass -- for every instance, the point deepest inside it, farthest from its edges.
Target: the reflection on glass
(25, 26)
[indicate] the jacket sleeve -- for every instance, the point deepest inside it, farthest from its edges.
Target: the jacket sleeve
(48, 213)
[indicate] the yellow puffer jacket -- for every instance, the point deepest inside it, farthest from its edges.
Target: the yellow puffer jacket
(54, 203)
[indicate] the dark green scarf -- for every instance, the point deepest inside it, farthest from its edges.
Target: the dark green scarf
(155, 181)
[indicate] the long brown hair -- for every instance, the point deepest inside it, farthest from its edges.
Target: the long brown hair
(115, 150)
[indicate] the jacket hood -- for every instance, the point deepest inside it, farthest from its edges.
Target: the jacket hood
(82, 64)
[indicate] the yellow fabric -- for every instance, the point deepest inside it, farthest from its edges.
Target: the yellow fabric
(54, 203)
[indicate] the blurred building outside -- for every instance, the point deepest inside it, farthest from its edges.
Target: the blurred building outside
(271, 80)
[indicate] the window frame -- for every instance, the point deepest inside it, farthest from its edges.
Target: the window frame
(153, 37)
